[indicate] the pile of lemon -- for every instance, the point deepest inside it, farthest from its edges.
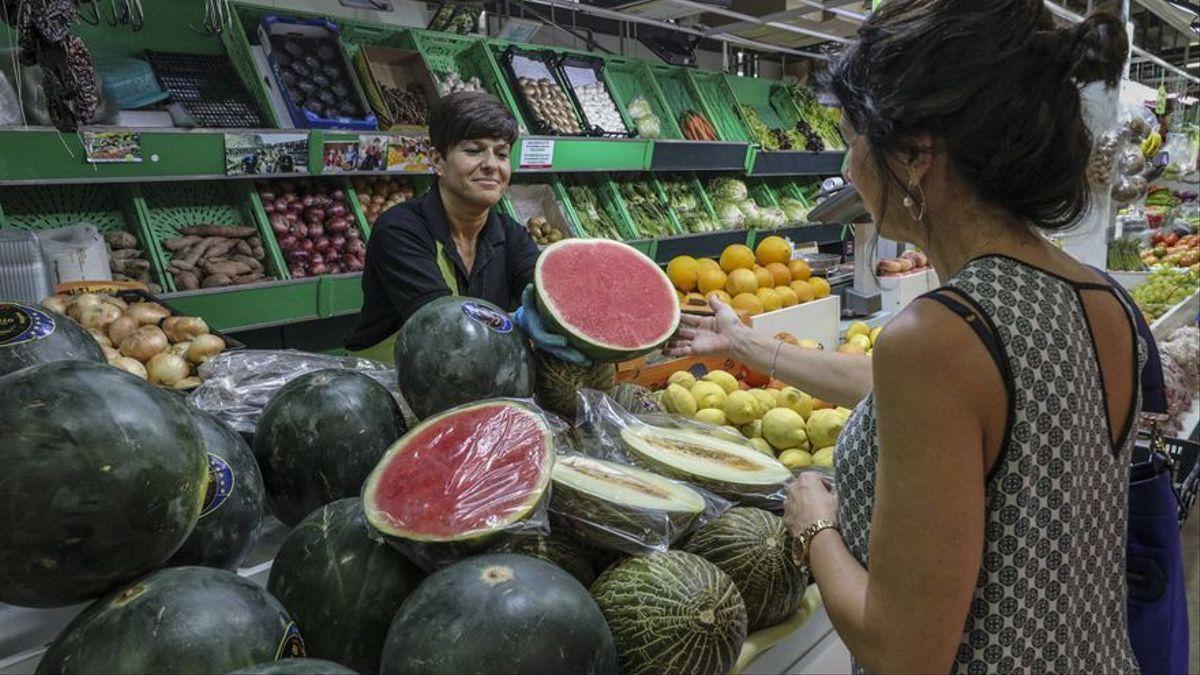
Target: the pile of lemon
(753, 281)
(859, 339)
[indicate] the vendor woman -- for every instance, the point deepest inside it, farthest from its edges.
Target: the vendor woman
(452, 240)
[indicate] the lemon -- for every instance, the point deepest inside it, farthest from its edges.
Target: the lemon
(823, 457)
(784, 428)
(762, 446)
(740, 407)
(678, 400)
(711, 416)
(708, 395)
(794, 399)
(682, 378)
(728, 382)
(765, 401)
(752, 429)
(795, 458)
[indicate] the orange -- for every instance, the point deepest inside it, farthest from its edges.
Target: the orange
(804, 291)
(683, 271)
(711, 280)
(765, 280)
(722, 296)
(770, 300)
(737, 257)
(748, 303)
(707, 264)
(741, 281)
(780, 273)
(820, 288)
(800, 270)
(773, 250)
(787, 296)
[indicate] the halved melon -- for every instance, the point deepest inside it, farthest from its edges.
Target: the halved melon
(619, 507)
(733, 470)
(463, 475)
(606, 298)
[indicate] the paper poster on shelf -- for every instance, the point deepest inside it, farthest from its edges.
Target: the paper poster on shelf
(339, 156)
(372, 152)
(537, 153)
(409, 153)
(111, 147)
(250, 154)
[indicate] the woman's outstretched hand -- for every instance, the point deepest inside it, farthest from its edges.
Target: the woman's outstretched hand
(707, 336)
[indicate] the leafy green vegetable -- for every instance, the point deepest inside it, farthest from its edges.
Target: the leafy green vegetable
(593, 217)
(725, 188)
(822, 120)
(644, 206)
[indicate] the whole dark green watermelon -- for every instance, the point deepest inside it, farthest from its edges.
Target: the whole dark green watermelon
(296, 667)
(754, 548)
(176, 620)
(499, 613)
(672, 612)
(103, 479)
(30, 335)
(557, 383)
(556, 548)
(458, 350)
(342, 583)
(232, 515)
(320, 436)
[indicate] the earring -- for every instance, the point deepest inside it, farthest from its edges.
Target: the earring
(909, 202)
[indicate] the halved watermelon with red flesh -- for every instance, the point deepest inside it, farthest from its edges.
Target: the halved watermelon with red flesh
(463, 475)
(606, 298)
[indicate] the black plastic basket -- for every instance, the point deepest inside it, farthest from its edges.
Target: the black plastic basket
(535, 123)
(132, 295)
(208, 87)
(596, 65)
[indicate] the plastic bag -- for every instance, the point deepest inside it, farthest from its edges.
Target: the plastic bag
(10, 105)
(462, 479)
(712, 458)
(238, 384)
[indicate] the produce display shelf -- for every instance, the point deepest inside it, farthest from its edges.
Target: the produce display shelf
(631, 78)
(164, 208)
(796, 163)
(768, 98)
(272, 304)
(703, 245)
(1183, 314)
(589, 154)
(813, 232)
(605, 194)
(668, 155)
(680, 94)
(719, 100)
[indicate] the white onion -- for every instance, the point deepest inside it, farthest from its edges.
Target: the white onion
(147, 313)
(144, 343)
(130, 366)
(204, 347)
(167, 369)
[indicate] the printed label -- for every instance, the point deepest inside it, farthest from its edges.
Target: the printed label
(22, 323)
(220, 484)
(292, 645)
(497, 321)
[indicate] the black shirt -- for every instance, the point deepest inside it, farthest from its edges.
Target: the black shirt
(401, 273)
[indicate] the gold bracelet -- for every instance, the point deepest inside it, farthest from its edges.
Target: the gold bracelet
(803, 542)
(775, 359)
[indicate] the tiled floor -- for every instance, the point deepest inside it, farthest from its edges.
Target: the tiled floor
(1191, 566)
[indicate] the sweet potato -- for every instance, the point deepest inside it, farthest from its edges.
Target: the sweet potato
(195, 253)
(180, 243)
(215, 281)
(125, 254)
(186, 281)
(228, 269)
(120, 239)
(218, 231)
(248, 278)
(132, 267)
(254, 265)
(259, 253)
(254, 241)
(244, 248)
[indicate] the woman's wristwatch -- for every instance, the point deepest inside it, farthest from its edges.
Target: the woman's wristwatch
(803, 541)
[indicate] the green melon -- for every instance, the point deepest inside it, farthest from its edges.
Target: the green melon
(618, 507)
(558, 383)
(556, 548)
(103, 479)
(733, 470)
(342, 583)
(499, 613)
(296, 667)
(458, 480)
(31, 335)
(672, 612)
(754, 548)
(455, 351)
(176, 620)
(232, 515)
(636, 399)
(320, 436)
(608, 299)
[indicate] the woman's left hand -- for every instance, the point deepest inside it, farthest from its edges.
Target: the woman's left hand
(809, 499)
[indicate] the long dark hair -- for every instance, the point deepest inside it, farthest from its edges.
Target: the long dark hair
(997, 87)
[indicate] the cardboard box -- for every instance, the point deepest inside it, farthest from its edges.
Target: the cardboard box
(380, 67)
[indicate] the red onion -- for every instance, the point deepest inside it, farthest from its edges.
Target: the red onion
(315, 230)
(297, 272)
(309, 201)
(268, 206)
(321, 243)
(353, 233)
(298, 230)
(339, 225)
(287, 242)
(295, 207)
(267, 196)
(356, 247)
(297, 256)
(338, 242)
(317, 269)
(315, 258)
(338, 195)
(279, 224)
(315, 215)
(354, 265)
(280, 205)
(337, 211)
(306, 244)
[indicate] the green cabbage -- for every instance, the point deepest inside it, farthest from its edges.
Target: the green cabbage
(730, 189)
(730, 214)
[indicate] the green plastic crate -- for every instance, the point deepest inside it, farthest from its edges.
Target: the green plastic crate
(606, 195)
(696, 188)
(164, 208)
(762, 193)
(420, 184)
(469, 57)
(720, 104)
(677, 91)
(630, 78)
(107, 207)
(768, 98)
(569, 217)
(673, 227)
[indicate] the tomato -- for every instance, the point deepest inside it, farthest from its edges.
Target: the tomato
(1171, 239)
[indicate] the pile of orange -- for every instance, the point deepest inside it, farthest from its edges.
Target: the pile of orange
(754, 281)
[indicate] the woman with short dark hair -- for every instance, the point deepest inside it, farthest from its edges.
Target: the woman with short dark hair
(980, 512)
(452, 240)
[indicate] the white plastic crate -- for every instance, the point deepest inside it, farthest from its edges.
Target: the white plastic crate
(817, 320)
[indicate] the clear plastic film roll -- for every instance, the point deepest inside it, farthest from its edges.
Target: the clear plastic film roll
(459, 481)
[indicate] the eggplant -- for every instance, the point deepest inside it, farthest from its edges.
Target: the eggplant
(349, 109)
(320, 80)
(307, 87)
(328, 98)
(301, 69)
(313, 62)
(327, 52)
(293, 48)
(297, 96)
(332, 72)
(316, 107)
(283, 59)
(289, 77)
(340, 89)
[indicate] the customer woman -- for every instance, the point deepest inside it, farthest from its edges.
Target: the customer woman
(452, 240)
(979, 517)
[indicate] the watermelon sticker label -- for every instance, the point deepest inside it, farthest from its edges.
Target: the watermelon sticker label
(21, 323)
(292, 645)
(220, 484)
(497, 321)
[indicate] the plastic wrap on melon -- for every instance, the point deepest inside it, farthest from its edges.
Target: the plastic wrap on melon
(237, 385)
(715, 459)
(462, 480)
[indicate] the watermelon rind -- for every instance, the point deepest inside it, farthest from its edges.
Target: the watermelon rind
(104, 478)
(732, 470)
(296, 667)
(176, 620)
(557, 383)
(619, 507)
(500, 613)
(342, 583)
(31, 335)
(754, 548)
(672, 612)
(379, 519)
(595, 349)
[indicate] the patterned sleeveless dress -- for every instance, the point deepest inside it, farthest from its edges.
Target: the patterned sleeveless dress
(1051, 594)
